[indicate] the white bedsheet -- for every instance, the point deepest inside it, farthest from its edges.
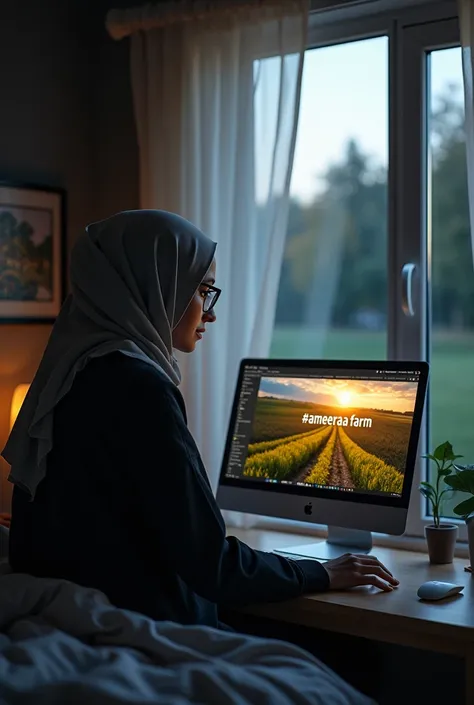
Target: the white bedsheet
(61, 644)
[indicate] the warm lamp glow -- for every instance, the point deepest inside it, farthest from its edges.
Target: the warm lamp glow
(17, 400)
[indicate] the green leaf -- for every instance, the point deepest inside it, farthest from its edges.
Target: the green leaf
(454, 482)
(461, 481)
(426, 484)
(464, 509)
(447, 471)
(428, 456)
(444, 451)
(429, 493)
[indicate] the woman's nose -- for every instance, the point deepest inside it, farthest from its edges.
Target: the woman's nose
(209, 316)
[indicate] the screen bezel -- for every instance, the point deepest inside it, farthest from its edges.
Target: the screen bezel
(402, 501)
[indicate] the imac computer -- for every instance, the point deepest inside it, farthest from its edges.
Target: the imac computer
(327, 442)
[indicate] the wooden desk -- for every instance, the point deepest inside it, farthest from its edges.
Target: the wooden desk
(398, 617)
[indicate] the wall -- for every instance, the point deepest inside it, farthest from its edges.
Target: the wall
(115, 146)
(48, 55)
(115, 134)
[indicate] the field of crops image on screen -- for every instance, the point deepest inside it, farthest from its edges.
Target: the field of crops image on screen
(346, 434)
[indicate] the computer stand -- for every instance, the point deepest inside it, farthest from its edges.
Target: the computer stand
(339, 541)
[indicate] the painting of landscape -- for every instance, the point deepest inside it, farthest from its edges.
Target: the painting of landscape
(348, 434)
(32, 252)
(26, 254)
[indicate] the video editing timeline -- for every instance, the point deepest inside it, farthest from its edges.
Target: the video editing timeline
(344, 434)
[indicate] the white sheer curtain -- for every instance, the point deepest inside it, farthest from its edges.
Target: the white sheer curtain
(466, 21)
(216, 97)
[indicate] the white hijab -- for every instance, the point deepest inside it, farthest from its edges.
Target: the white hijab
(132, 278)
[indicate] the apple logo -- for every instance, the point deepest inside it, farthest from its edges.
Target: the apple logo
(308, 509)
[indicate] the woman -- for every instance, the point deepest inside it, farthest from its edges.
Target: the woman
(114, 494)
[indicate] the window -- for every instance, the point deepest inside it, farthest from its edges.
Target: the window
(332, 298)
(450, 261)
(379, 188)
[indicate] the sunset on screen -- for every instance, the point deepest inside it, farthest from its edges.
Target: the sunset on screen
(344, 393)
(351, 434)
(344, 398)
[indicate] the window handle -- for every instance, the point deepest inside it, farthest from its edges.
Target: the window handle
(407, 289)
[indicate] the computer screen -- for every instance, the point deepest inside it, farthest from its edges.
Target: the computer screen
(327, 429)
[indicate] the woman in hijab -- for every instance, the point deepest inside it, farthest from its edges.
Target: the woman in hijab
(109, 488)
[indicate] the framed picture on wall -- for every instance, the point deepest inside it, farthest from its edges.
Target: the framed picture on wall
(32, 252)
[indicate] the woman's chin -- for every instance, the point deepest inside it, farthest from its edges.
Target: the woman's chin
(187, 347)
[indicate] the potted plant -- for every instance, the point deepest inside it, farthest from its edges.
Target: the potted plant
(462, 480)
(440, 537)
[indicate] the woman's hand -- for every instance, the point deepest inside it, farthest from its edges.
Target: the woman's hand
(5, 519)
(351, 570)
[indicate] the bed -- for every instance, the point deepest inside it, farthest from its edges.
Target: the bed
(61, 643)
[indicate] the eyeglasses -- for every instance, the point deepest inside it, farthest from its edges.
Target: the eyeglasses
(210, 297)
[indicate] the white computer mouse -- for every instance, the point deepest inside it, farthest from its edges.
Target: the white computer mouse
(436, 590)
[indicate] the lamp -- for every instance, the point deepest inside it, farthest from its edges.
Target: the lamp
(17, 400)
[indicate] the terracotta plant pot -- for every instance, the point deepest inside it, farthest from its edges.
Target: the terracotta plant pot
(441, 542)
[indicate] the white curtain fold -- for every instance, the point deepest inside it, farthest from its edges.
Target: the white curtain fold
(466, 22)
(216, 107)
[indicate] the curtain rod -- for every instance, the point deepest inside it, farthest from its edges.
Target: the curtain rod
(121, 23)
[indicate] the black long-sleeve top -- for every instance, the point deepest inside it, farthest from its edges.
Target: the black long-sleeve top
(126, 507)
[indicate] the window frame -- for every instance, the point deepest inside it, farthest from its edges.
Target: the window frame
(412, 194)
(412, 31)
